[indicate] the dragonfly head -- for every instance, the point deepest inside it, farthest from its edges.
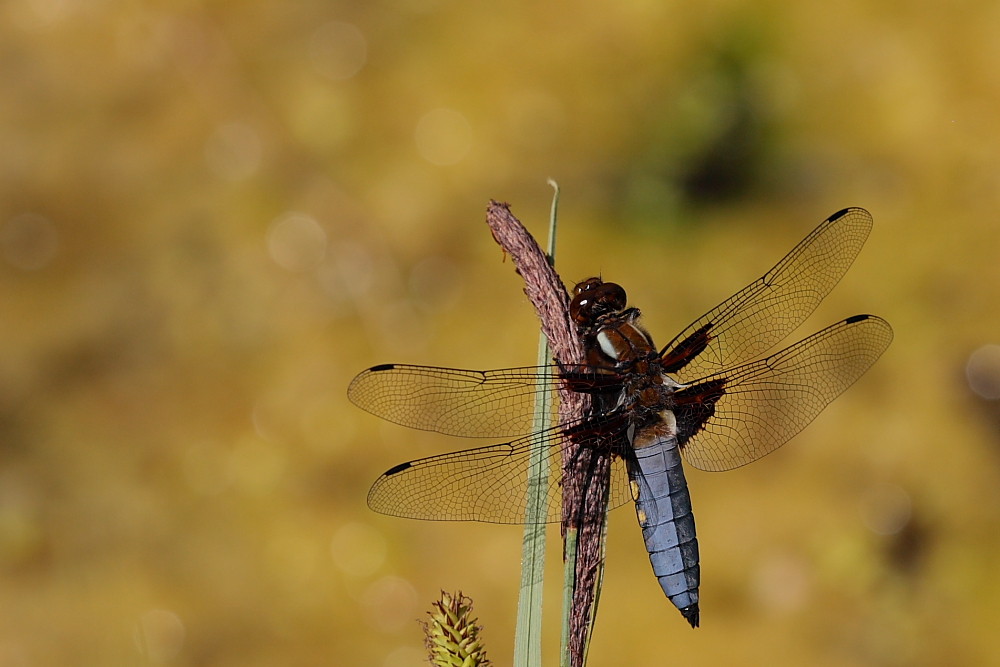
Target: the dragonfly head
(593, 297)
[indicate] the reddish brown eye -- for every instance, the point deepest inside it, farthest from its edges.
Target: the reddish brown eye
(581, 308)
(611, 297)
(587, 285)
(595, 298)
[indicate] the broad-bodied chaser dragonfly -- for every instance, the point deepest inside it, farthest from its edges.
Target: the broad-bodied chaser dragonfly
(708, 398)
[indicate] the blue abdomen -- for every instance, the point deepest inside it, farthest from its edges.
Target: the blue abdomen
(663, 506)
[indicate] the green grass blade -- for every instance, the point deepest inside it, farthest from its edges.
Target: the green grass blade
(528, 633)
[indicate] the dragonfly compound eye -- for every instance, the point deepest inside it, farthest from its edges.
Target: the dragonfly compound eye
(588, 285)
(581, 309)
(612, 297)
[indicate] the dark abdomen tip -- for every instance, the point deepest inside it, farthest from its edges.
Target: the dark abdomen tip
(692, 615)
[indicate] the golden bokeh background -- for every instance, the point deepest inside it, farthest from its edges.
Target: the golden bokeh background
(212, 215)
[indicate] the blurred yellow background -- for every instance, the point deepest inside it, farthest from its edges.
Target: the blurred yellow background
(212, 215)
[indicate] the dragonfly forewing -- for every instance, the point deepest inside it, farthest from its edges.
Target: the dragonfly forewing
(473, 404)
(760, 315)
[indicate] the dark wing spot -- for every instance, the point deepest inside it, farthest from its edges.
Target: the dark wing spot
(695, 405)
(687, 349)
(589, 382)
(604, 433)
(838, 214)
(381, 367)
(397, 469)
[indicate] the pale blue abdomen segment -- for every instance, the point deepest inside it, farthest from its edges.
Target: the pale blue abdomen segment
(663, 505)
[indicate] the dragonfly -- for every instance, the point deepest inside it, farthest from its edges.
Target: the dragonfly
(712, 398)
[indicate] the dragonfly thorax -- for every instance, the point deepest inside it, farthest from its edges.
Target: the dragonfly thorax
(614, 340)
(611, 333)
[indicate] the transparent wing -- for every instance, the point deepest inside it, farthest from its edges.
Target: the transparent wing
(498, 403)
(756, 318)
(477, 404)
(732, 418)
(490, 483)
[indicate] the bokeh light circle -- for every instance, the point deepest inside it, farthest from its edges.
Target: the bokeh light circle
(982, 371)
(443, 137)
(390, 603)
(886, 509)
(297, 242)
(338, 50)
(358, 549)
(233, 151)
(159, 635)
